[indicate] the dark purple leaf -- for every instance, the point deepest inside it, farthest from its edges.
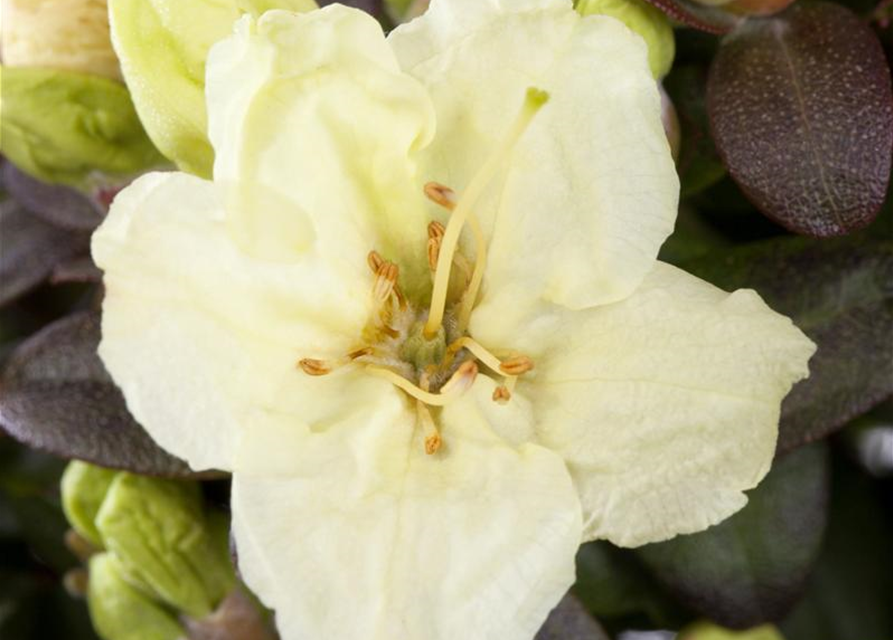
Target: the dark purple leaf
(802, 114)
(570, 621)
(840, 293)
(56, 396)
(58, 205)
(30, 249)
(751, 568)
(697, 16)
(80, 269)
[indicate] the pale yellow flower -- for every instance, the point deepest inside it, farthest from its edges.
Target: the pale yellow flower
(418, 314)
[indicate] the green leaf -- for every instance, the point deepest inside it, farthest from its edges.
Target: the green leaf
(802, 112)
(751, 568)
(612, 584)
(56, 396)
(850, 593)
(61, 126)
(840, 293)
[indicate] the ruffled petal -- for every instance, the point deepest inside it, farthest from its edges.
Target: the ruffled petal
(666, 405)
(352, 531)
(311, 114)
(196, 332)
(589, 192)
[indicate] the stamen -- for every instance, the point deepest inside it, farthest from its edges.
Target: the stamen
(433, 440)
(534, 101)
(446, 197)
(501, 394)
(461, 381)
(435, 237)
(516, 366)
(316, 367)
(375, 261)
(385, 281)
(313, 367)
(441, 194)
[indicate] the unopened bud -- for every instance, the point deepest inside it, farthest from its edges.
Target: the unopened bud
(121, 611)
(644, 19)
(160, 533)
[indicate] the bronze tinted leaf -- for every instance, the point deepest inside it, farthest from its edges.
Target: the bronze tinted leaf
(697, 16)
(802, 114)
(57, 204)
(32, 249)
(56, 396)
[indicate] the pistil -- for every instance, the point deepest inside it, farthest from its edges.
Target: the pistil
(534, 101)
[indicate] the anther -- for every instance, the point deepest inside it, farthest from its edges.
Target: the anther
(433, 441)
(441, 194)
(385, 280)
(501, 394)
(462, 379)
(435, 238)
(359, 353)
(375, 261)
(516, 366)
(313, 367)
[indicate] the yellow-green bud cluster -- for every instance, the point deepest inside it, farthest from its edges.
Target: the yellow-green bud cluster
(162, 553)
(62, 126)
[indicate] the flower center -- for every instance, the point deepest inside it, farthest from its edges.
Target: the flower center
(428, 353)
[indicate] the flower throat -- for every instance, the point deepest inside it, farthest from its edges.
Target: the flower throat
(428, 353)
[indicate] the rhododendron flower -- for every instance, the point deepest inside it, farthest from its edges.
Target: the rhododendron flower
(418, 314)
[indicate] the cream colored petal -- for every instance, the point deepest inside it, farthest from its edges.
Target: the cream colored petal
(666, 405)
(590, 192)
(196, 332)
(352, 531)
(313, 109)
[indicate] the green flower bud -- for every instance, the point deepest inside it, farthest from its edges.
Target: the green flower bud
(163, 45)
(646, 20)
(160, 533)
(61, 126)
(59, 34)
(709, 631)
(84, 487)
(122, 612)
